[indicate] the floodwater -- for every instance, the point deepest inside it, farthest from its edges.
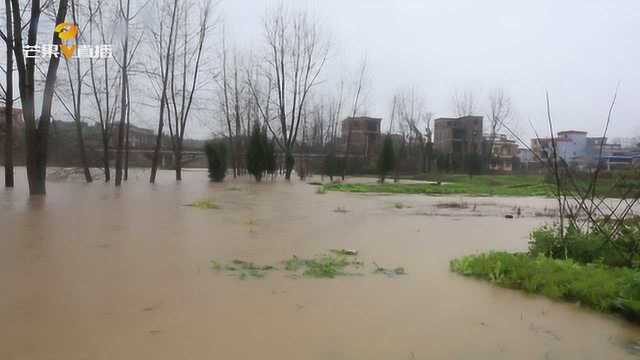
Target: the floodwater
(92, 272)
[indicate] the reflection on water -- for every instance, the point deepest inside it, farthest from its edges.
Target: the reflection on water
(91, 272)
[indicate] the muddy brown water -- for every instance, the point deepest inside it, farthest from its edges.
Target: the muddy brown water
(92, 272)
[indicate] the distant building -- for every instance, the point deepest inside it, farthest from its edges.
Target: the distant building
(457, 137)
(576, 148)
(139, 138)
(503, 153)
(365, 134)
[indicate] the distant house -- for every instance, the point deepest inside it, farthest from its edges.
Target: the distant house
(504, 152)
(458, 135)
(139, 138)
(575, 147)
(365, 135)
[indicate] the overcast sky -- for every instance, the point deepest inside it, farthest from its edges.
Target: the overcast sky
(578, 50)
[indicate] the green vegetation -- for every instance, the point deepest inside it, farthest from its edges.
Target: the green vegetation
(257, 161)
(324, 266)
(242, 269)
(217, 159)
(204, 204)
(614, 184)
(338, 262)
(600, 287)
(387, 159)
(482, 185)
(591, 245)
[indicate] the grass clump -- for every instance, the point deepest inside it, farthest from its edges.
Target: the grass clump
(597, 286)
(204, 204)
(337, 262)
(242, 269)
(324, 266)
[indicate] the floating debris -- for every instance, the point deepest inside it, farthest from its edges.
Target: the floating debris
(389, 272)
(242, 269)
(350, 252)
(204, 204)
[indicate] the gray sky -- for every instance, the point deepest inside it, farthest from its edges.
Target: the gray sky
(578, 50)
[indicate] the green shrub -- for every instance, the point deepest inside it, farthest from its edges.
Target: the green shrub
(589, 246)
(217, 158)
(331, 165)
(387, 159)
(257, 161)
(270, 155)
(595, 285)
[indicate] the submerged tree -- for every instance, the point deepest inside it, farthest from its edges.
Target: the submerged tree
(270, 155)
(256, 154)
(331, 165)
(217, 159)
(387, 158)
(7, 94)
(36, 129)
(296, 55)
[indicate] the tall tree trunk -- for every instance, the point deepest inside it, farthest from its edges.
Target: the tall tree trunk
(8, 118)
(83, 152)
(36, 161)
(163, 98)
(178, 159)
(429, 155)
(105, 158)
(78, 106)
(126, 140)
(36, 133)
(123, 94)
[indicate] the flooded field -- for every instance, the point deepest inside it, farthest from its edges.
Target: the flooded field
(93, 272)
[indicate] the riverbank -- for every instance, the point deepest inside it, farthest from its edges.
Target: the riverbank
(487, 185)
(603, 288)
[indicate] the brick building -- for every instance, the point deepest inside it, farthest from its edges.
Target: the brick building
(365, 135)
(458, 135)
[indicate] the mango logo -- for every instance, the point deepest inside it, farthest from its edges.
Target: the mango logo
(67, 33)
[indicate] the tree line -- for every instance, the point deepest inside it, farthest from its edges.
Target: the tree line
(170, 58)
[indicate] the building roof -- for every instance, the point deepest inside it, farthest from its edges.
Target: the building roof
(362, 118)
(462, 118)
(572, 132)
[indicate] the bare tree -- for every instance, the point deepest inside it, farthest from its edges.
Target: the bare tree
(356, 100)
(500, 112)
(463, 103)
(225, 106)
(36, 130)
(75, 87)
(128, 52)
(183, 80)
(164, 50)
(296, 56)
(416, 120)
(106, 106)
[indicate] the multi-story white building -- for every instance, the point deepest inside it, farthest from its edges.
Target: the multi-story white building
(572, 146)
